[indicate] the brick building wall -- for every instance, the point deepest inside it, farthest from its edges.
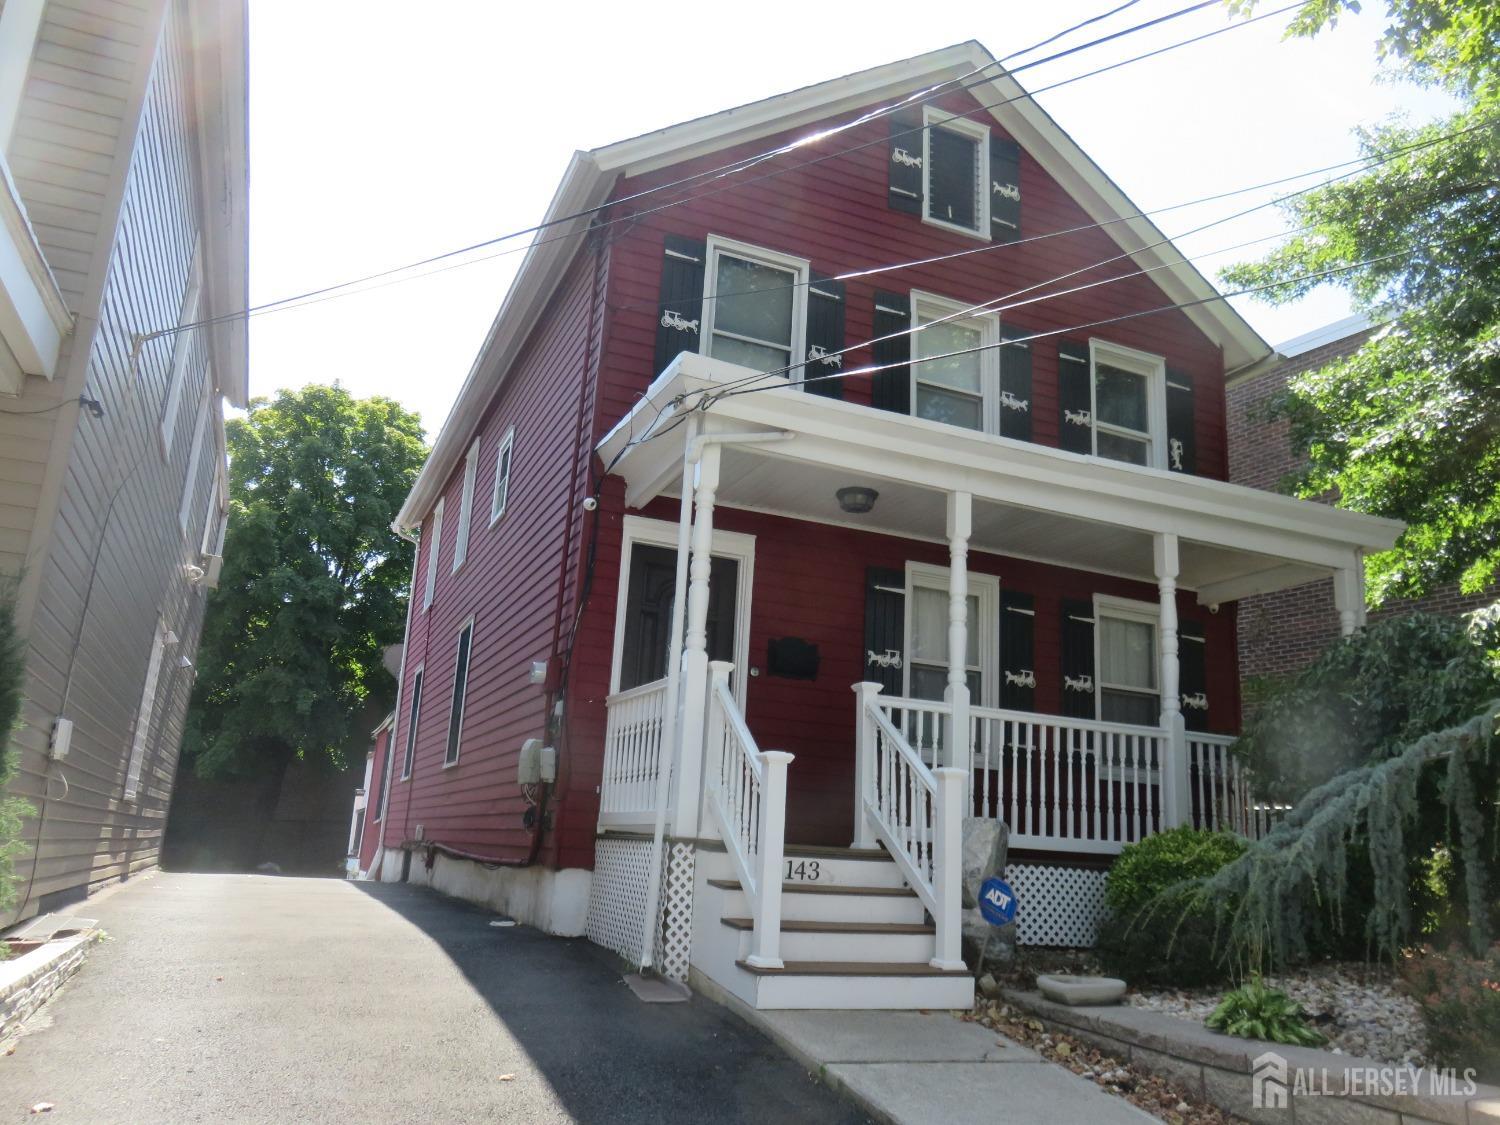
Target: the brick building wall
(1281, 633)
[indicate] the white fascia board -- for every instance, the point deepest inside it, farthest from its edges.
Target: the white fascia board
(220, 46)
(34, 317)
(781, 112)
(1007, 471)
(551, 252)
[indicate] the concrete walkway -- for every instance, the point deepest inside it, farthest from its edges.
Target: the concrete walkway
(923, 1068)
(233, 998)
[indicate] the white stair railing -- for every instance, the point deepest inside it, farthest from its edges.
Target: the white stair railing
(632, 755)
(914, 810)
(746, 789)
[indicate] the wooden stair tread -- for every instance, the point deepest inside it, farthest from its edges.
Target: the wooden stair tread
(813, 851)
(853, 969)
(822, 889)
(800, 927)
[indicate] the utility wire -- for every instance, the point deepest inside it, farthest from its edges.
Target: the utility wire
(983, 306)
(297, 301)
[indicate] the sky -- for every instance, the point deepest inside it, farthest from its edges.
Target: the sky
(382, 133)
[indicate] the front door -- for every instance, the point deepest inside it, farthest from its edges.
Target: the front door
(647, 642)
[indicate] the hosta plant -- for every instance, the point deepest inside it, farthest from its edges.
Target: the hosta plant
(1255, 1011)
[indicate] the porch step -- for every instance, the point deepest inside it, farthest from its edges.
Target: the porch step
(823, 889)
(854, 969)
(805, 927)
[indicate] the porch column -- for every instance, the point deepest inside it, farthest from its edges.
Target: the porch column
(1349, 596)
(695, 646)
(960, 527)
(1176, 797)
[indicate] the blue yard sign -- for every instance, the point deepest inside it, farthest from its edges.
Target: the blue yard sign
(997, 902)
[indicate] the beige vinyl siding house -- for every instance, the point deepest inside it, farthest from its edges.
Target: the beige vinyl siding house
(122, 132)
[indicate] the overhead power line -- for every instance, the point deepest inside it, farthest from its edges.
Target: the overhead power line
(297, 301)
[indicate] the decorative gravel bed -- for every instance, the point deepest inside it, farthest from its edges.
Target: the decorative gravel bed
(1359, 1007)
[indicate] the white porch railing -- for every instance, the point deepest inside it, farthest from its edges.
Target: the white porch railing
(632, 755)
(914, 810)
(746, 789)
(1220, 787)
(1068, 784)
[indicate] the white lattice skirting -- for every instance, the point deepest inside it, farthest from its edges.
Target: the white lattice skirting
(1060, 906)
(674, 937)
(617, 895)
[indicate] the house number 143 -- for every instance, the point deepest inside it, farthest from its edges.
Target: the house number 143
(802, 870)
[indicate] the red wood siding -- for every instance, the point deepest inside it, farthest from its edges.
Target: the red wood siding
(835, 214)
(810, 583)
(516, 584)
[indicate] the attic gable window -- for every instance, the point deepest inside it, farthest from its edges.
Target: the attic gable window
(754, 310)
(956, 155)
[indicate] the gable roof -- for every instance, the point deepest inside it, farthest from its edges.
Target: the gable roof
(591, 175)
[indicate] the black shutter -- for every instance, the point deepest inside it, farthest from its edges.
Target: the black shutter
(1017, 651)
(1075, 420)
(681, 308)
(825, 336)
(1078, 686)
(1192, 675)
(1005, 189)
(885, 627)
(1182, 449)
(891, 389)
(1015, 386)
(904, 159)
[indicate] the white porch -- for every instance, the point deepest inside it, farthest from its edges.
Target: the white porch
(682, 764)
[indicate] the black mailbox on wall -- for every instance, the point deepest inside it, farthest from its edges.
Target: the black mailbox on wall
(793, 658)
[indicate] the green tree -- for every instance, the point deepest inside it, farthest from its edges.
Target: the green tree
(1409, 425)
(314, 584)
(13, 810)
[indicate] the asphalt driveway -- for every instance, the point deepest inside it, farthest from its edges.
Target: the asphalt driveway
(235, 998)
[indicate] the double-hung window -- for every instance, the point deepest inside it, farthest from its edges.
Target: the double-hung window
(754, 310)
(411, 724)
(432, 553)
(501, 492)
(1127, 662)
(955, 369)
(955, 162)
(1129, 404)
(460, 692)
(466, 507)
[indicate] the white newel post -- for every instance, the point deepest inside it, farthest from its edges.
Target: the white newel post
(960, 527)
(695, 672)
(864, 760)
(1177, 801)
(766, 946)
(1349, 597)
(947, 866)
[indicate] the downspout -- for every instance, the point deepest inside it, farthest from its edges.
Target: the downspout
(692, 453)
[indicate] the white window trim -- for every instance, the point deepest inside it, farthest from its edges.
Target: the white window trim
(195, 456)
(1124, 609)
(505, 454)
(217, 517)
(989, 360)
(466, 507)
(182, 349)
(160, 638)
(1154, 369)
(727, 544)
(463, 703)
(412, 722)
(799, 266)
(432, 555)
(932, 116)
(987, 587)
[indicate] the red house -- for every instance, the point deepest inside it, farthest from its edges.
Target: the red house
(766, 483)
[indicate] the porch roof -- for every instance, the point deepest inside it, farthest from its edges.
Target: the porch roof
(1030, 501)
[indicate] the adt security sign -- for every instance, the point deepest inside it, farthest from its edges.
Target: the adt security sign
(997, 902)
